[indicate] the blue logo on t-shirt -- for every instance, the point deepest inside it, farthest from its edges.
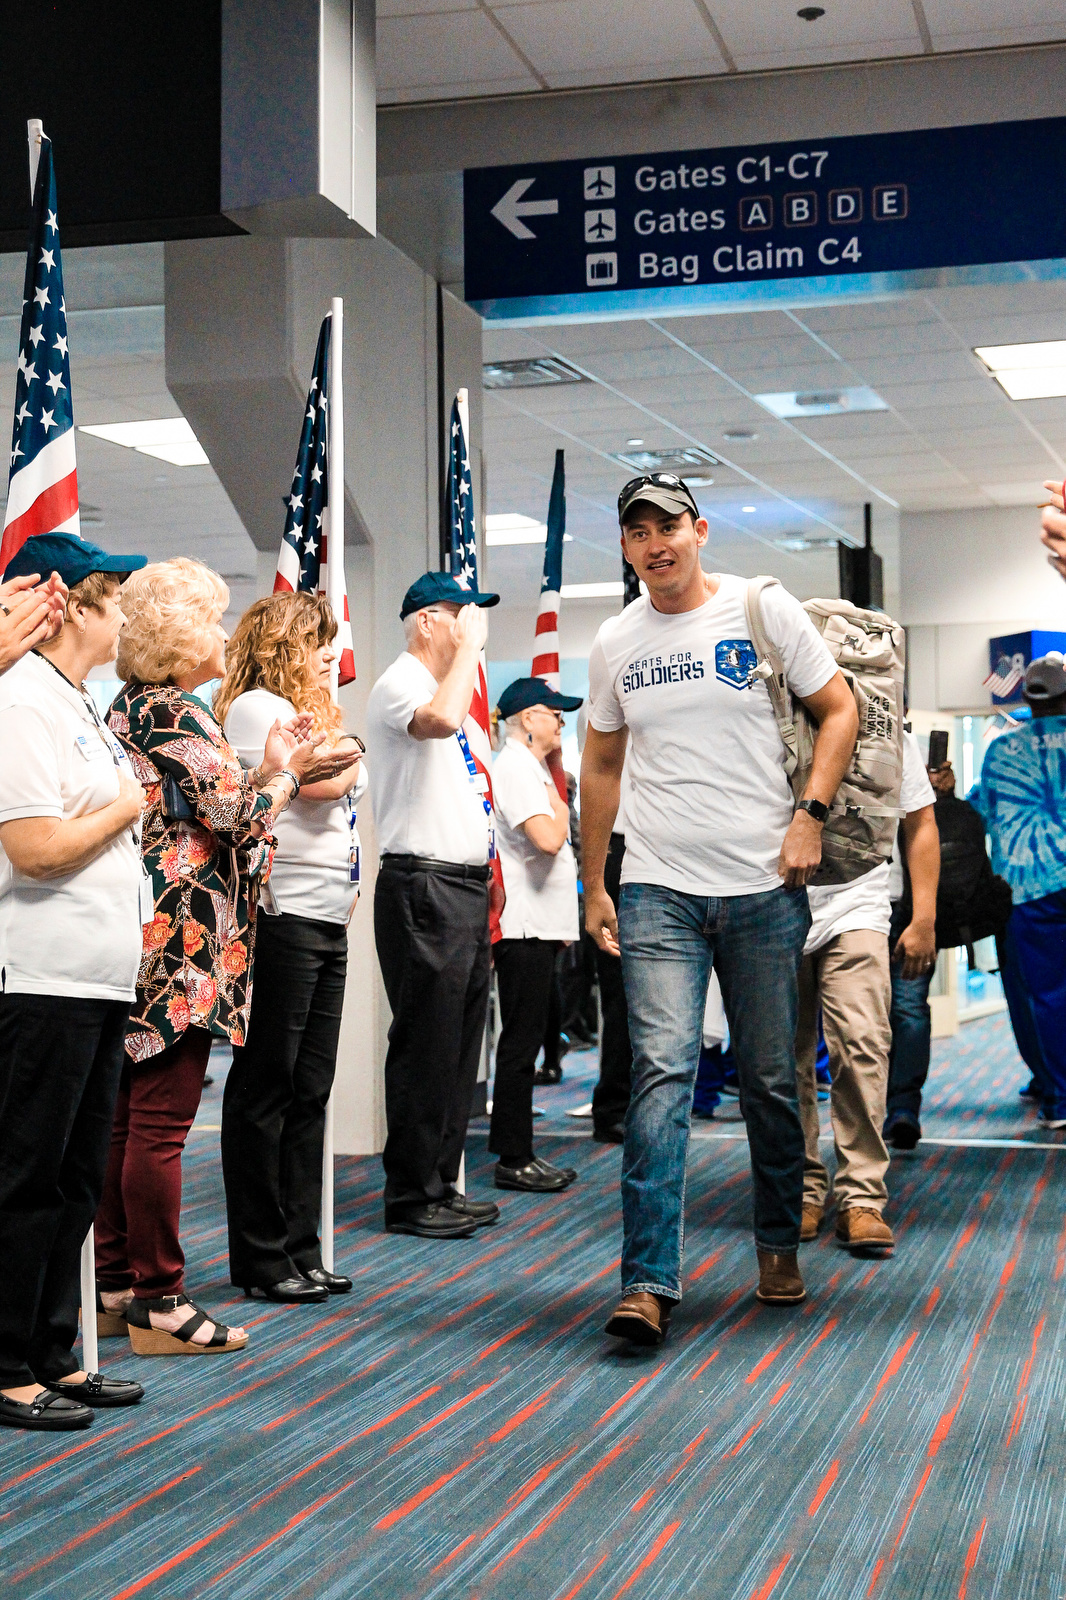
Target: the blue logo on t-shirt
(734, 661)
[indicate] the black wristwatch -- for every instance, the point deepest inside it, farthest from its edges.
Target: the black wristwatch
(814, 809)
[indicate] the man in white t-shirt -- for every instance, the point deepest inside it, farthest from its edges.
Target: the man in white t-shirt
(846, 970)
(431, 904)
(717, 857)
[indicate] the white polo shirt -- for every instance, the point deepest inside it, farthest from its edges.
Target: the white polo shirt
(541, 888)
(425, 801)
(78, 935)
(309, 876)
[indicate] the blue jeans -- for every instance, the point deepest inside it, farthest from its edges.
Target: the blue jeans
(1020, 1008)
(669, 942)
(1038, 931)
(912, 1031)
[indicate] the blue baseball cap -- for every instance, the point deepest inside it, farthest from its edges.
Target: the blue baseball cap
(71, 557)
(433, 587)
(525, 692)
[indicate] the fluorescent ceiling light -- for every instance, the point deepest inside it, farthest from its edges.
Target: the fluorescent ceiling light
(821, 402)
(747, 508)
(166, 438)
(593, 591)
(510, 527)
(1027, 371)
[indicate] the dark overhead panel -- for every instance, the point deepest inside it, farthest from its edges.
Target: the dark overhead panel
(541, 372)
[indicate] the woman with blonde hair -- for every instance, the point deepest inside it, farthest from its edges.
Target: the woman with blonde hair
(273, 1111)
(206, 842)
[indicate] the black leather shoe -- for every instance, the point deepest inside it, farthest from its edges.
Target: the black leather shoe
(612, 1133)
(901, 1132)
(548, 1075)
(535, 1178)
(50, 1412)
(96, 1390)
(290, 1291)
(483, 1213)
(332, 1282)
(435, 1221)
(569, 1173)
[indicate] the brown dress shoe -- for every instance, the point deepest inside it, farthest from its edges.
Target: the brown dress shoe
(813, 1216)
(641, 1318)
(865, 1232)
(780, 1283)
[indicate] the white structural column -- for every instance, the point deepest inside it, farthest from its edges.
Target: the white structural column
(242, 317)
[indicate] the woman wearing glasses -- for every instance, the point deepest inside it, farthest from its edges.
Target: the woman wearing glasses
(540, 877)
(274, 1110)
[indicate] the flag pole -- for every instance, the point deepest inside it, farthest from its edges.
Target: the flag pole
(462, 400)
(335, 596)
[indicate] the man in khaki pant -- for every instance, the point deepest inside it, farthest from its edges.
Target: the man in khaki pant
(846, 970)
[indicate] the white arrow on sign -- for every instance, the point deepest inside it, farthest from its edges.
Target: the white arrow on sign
(511, 207)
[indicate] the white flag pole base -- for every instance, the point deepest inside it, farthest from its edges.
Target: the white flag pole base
(327, 1188)
(90, 1349)
(460, 1182)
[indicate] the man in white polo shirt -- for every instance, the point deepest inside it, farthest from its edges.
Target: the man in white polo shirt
(717, 856)
(540, 877)
(431, 904)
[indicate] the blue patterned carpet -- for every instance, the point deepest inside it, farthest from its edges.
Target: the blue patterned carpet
(460, 1426)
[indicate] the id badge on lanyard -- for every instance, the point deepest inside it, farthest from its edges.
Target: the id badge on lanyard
(354, 868)
(480, 781)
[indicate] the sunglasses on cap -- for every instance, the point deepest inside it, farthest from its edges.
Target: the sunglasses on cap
(656, 480)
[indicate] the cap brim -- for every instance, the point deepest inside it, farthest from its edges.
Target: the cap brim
(479, 599)
(665, 499)
(123, 565)
(563, 702)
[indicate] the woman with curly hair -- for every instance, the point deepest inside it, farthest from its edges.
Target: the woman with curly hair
(274, 1108)
(206, 842)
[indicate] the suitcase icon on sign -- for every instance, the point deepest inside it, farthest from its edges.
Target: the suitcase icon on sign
(601, 269)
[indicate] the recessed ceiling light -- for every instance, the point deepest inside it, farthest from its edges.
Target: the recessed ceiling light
(747, 434)
(532, 374)
(821, 402)
(166, 438)
(1028, 371)
(510, 527)
(677, 460)
(592, 591)
(634, 444)
(747, 508)
(801, 541)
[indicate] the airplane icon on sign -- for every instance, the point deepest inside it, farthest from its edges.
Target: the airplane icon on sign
(599, 183)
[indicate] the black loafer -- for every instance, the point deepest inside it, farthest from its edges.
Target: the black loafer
(332, 1282)
(96, 1390)
(548, 1075)
(534, 1178)
(50, 1412)
(434, 1221)
(483, 1213)
(569, 1173)
(901, 1132)
(290, 1291)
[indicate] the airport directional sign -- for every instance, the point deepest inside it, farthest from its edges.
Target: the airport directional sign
(754, 223)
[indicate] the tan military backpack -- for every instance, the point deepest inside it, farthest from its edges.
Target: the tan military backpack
(869, 648)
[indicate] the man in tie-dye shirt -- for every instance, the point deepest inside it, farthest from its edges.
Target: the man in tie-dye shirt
(1022, 798)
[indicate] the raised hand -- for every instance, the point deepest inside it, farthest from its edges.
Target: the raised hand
(30, 614)
(471, 628)
(282, 743)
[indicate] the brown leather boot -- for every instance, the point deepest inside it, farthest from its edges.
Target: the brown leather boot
(641, 1318)
(780, 1283)
(813, 1216)
(864, 1232)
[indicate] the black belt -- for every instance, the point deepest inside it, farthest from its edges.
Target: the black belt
(449, 869)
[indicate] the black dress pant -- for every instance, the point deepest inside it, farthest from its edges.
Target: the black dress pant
(274, 1106)
(60, 1064)
(524, 974)
(610, 1098)
(431, 927)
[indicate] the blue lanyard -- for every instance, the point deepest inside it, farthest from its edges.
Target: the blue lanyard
(472, 772)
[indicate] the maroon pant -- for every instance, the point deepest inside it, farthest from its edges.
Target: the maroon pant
(137, 1244)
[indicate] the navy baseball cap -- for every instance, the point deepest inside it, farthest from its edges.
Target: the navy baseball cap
(525, 692)
(433, 587)
(71, 557)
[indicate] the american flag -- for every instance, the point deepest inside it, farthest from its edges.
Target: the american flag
(303, 560)
(546, 641)
(42, 492)
(462, 564)
(1005, 677)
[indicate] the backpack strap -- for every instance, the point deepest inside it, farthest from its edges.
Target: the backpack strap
(770, 669)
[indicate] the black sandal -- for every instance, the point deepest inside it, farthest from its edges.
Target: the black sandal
(149, 1341)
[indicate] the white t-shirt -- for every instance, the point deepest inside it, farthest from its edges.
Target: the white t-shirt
(425, 801)
(708, 803)
(541, 888)
(309, 876)
(78, 935)
(866, 902)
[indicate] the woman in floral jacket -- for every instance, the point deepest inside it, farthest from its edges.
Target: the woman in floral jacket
(207, 843)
